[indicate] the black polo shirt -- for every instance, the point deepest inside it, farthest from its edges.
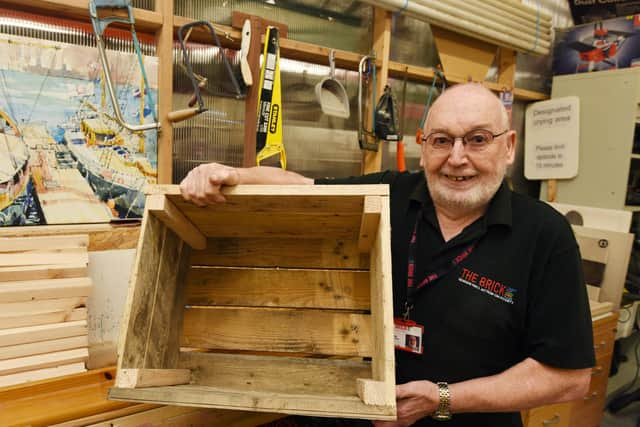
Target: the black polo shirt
(520, 293)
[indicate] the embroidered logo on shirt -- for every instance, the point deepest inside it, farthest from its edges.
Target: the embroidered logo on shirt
(488, 286)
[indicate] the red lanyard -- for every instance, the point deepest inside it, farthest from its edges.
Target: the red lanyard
(430, 277)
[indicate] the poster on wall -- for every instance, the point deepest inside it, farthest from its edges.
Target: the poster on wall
(602, 45)
(63, 157)
(586, 11)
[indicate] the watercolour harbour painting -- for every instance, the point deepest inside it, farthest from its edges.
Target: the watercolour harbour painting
(64, 158)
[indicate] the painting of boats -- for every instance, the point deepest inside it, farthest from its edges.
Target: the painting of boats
(63, 156)
(15, 182)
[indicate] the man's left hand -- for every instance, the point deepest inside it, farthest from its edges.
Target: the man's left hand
(415, 400)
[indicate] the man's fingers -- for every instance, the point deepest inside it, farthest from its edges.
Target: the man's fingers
(402, 391)
(203, 184)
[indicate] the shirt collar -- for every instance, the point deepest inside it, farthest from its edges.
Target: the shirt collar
(498, 213)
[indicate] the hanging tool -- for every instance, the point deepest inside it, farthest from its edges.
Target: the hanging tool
(330, 93)
(269, 129)
(99, 25)
(386, 127)
(367, 69)
(245, 43)
(197, 81)
(400, 159)
(437, 74)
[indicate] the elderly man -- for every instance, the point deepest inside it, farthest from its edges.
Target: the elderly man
(489, 278)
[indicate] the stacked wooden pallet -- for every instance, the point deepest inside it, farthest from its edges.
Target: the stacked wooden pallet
(43, 314)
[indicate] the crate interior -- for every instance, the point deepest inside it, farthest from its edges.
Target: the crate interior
(276, 309)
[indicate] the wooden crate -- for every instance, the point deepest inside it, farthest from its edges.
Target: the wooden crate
(279, 300)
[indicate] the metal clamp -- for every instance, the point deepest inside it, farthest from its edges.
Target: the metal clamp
(367, 61)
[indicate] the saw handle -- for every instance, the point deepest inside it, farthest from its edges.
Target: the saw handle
(180, 115)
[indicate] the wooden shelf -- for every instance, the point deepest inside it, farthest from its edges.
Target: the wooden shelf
(150, 21)
(47, 402)
(102, 237)
(307, 52)
(146, 21)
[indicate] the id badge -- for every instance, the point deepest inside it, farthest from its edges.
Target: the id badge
(407, 335)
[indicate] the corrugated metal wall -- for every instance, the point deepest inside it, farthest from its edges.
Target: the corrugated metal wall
(318, 145)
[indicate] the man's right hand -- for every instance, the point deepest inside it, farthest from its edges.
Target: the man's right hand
(203, 184)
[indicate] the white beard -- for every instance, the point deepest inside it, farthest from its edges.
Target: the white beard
(474, 198)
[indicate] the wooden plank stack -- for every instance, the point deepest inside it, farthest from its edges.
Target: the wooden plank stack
(278, 300)
(44, 287)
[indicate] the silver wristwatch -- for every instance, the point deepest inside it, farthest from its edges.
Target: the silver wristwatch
(443, 413)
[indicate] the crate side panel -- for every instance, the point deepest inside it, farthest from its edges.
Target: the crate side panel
(254, 287)
(281, 204)
(383, 360)
(162, 345)
(278, 330)
(138, 308)
(290, 375)
(281, 252)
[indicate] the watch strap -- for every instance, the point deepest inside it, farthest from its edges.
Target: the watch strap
(443, 412)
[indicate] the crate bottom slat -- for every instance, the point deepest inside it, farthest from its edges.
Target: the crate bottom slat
(225, 398)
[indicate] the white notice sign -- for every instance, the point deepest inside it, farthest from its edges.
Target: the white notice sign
(552, 134)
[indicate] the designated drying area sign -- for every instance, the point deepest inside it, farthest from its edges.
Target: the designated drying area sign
(552, 135)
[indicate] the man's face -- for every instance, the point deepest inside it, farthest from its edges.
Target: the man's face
(463, 179)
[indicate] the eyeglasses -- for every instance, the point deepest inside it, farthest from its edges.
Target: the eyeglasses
(475, 140)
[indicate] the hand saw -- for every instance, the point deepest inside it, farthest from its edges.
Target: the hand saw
(269, 130)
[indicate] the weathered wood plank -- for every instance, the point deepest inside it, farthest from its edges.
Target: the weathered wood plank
(136, 320)
(171, 353)
(281, 252)
(291, 204)
(133, 378)
(37, 333)
(162, 346)
(307, 331)
(321, 405)
(287, 192)
(251, 224)
(37, 272)
(338, 289)
(45, 289)
(172, 217)
(275, 374)
(30, 349)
